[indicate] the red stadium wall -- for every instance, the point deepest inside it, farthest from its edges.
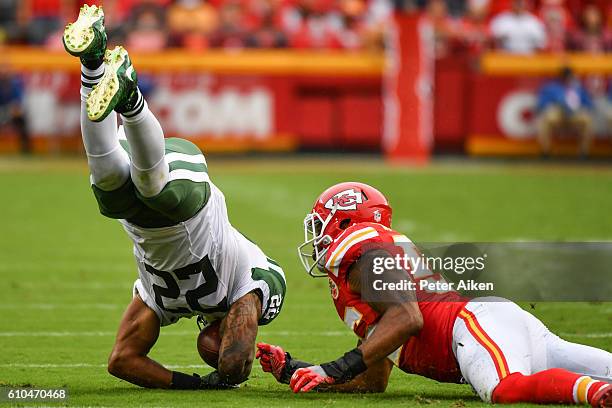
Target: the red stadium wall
(280, 101)
(451, 90)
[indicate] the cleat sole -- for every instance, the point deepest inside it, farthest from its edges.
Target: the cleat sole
(78, 36)
(103, 97)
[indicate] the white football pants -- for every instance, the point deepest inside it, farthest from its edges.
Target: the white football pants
(493, 337)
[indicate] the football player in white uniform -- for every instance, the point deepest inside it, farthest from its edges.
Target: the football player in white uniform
(191, 260)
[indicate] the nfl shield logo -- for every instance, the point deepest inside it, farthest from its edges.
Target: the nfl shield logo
(333, 289)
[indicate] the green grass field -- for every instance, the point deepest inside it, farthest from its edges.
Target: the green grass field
(66, 272)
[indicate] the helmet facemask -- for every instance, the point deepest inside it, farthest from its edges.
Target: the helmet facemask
(314, 227)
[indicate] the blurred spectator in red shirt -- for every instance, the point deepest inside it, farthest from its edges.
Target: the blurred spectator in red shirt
(44, 17)
(125, 9)
(377, 17)
(312, 24)
(147, 32)
(267, 35)
(474, 30)
(592, 36)
(230, 32)
(457, 35)
(352, 24)
(558, 23)
(191, 22)
(498, 6)
(444, 27)
(263, 21)
(261, 13)
(517, 30)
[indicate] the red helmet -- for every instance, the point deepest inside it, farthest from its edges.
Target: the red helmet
(339, 207)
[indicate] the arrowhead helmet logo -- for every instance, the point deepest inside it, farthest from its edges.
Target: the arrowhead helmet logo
(129, 73)
(345, 200)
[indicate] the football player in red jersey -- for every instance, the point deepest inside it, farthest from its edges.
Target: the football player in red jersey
(503, 352)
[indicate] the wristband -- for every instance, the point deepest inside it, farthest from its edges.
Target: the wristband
(291, 366)
(347, 367)
(182, 381)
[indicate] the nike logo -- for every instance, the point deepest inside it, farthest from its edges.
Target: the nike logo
(129, 72)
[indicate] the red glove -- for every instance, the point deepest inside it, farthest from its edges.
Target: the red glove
(305, 379)
(271, 358)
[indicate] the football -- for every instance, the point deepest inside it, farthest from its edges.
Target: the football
(209, 341)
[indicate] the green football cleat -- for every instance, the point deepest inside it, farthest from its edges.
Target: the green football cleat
(86, 37)
(117, 90)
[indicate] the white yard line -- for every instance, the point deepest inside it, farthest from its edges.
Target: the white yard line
(92, 365)
(587, 335)
(75, 365)
(281, 333)
(170, 333)
(53, 306)
(57, 334)
(68, 305)
(330, 333)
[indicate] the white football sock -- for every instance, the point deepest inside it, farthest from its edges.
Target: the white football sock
(149, 169)
(108, 163)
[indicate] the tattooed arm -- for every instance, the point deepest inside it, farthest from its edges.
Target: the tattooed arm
(139, 330)
(238, 333)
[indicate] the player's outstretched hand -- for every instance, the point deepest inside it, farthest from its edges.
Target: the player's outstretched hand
(305, 379)
(272, 359)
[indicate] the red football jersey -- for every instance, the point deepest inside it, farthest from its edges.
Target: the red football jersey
(430, 352)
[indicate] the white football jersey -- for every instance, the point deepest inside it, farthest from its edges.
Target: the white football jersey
(197, 267)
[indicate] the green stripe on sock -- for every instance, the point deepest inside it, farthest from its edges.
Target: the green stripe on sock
(179, 164)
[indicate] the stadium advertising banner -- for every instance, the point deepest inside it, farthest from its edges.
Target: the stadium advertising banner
(222, 112)
(252, 101)
(280, 101)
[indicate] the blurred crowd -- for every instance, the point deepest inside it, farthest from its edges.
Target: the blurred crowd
(151, 25)
(460, 28)
(519, 26)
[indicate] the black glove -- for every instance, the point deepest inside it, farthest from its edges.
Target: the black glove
(213, 381)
